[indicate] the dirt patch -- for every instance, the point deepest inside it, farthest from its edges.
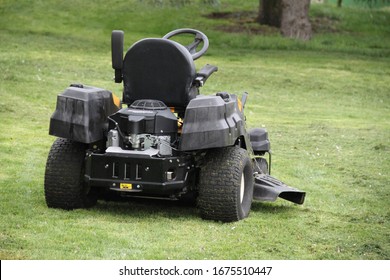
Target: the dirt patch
(247, 22)
(233, 15)
(241, 22)
(325, 24)
(260, 30)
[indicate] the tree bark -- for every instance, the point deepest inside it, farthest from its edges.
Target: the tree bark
(295, 19)
(270, 12)
(292, 16)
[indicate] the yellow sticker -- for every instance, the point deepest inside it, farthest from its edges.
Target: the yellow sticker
(126, 186)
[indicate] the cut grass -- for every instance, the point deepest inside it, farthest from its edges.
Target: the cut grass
(325, 103)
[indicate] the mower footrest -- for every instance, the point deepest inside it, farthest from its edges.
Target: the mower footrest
(268, 188)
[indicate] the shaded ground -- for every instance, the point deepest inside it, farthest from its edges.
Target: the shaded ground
(246, 22)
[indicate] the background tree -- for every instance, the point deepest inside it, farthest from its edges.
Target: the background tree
(291, 16)
(270, 12)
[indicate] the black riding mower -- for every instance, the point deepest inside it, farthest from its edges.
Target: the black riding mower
(168, 142)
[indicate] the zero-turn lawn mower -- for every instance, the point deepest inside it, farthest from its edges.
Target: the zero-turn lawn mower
(162, 140)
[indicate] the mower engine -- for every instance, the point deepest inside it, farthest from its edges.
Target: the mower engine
(144, 125)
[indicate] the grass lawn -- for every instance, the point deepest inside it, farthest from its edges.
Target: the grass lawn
(325, 103)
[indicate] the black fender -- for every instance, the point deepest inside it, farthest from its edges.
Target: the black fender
(212, 122)
(81, 114)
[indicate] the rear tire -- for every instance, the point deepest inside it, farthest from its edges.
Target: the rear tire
(64, 176)
(226, 185)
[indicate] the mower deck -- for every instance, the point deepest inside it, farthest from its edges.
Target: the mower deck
(268, 188)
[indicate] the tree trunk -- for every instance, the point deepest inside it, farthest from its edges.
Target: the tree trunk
(295, 19)
(270, 12)
(339, 3)
(292, 16)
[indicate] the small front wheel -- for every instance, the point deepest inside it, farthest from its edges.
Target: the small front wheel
(64, 176)
(261, 165)
(226, 185)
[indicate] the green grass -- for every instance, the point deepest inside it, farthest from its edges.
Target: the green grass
(326, 104)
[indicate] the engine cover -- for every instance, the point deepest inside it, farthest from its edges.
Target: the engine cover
(146, 117)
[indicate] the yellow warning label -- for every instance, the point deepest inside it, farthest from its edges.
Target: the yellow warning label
(126, 186)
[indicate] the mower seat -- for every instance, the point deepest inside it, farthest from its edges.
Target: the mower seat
(159, 69)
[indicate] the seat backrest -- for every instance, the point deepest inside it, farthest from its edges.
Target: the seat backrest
(159, 69)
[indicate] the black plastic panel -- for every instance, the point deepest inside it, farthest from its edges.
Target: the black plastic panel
(81, 114)
(211, 122)
(259, 140)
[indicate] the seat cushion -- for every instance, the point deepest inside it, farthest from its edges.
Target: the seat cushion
(158, 69)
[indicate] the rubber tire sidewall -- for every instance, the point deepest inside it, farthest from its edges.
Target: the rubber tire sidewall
(64, 176)
(219, 185)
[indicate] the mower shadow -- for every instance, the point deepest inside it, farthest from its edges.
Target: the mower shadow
(271, 207)
(144, 208)
(147, 208)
